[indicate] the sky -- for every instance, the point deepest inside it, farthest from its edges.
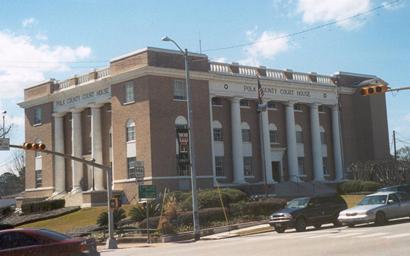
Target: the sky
(57, 39)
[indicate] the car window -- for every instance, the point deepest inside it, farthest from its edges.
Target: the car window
(403, 197)
(394, 198)
(53, 235)
(370, 200)
(16, 239)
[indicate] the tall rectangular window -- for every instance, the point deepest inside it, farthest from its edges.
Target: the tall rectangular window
(39, 178)
(273, 136)
(244, 103)
(247, 166)
(299, 136)
(297, 107)
(135, 168)
(130, 133)
(219, 166)
(129, 92)
(325, 169)
(246, 135)
(183, 168)
(38, 116)
(180, 90)
(218, 136)
(323, 137)
(301, 166)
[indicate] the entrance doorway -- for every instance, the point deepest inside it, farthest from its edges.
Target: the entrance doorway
(276, 171)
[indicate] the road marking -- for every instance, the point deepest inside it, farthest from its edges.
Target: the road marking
(346, 235)
(373, 235)
(397, 236)
(319, 236)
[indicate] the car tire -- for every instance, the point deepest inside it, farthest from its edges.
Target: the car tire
(380, 219)
(317, 226)
(280, 229)
(300, 224)
(350, 225)
(337, 223)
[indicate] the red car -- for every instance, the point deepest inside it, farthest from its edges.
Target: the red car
(43, 242)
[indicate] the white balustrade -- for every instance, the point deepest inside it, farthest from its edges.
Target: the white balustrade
(64, 84)
(83, 78)
(324, 80)
(247, 71)
(275, 74)
(220, 67)
(101, 73)
(301, 77)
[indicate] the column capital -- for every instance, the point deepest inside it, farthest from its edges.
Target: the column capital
(96, 105)
(58, 114)
(235, 99)
(315, 105)
(335, 107)
(289, 103)
(76, 110)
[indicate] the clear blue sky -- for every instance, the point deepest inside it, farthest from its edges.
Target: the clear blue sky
(43, 39)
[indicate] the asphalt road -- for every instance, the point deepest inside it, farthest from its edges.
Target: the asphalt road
(369, 240)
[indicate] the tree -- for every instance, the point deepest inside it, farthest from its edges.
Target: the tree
(403, 154)
(18, 167)
(10, 184)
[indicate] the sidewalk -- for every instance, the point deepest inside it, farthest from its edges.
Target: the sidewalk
(262, 228)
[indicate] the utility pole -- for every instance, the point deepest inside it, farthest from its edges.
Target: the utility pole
(394, 146)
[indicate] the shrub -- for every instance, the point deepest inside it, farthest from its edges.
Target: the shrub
(258, 208)
(211, 198)
(354, 186)
(42, 206)
(118, 215)
(206, 216)
(139, 212)
(165, 225)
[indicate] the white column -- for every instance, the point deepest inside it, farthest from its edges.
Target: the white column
(337, 150)
(59, 162)
(96, 146)
(291, 140)
(316, 142)
(237, 152)
(77, 149)
(266, 146)
(211, 119)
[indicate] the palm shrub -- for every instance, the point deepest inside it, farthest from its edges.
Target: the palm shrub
(165, 225)
(139, 212)
(119, 214)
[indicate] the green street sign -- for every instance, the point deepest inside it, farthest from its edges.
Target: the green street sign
(147, 192)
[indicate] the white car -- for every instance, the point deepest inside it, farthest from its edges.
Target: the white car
(378, 208)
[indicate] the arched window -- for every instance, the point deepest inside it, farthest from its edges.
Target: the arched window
(181, 121)
(299, 134)
(217, 128)
(130, 130)
(322, 135)
(273, 133)
(246, 132)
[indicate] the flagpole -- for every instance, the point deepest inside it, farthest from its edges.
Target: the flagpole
(260, 108)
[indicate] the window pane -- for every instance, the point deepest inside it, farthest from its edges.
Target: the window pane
(325, 170)
(129, 92)
(246, 135)
(38, 177)
(247, 166)
(179, 90)
(218, 134)
(272, 105)
(301, 165)
(244, 103)
(37, 116)
(298, 107)
(135, 168)
(131, 133)
(219, 166)
(323, 137)
(273, 136)
(299, 137)
(216, 101)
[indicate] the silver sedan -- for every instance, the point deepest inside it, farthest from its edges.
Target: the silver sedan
(378, 208)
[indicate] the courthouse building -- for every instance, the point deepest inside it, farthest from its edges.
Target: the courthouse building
(133, 115)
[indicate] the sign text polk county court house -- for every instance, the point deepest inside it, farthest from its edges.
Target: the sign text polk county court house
(82, 100)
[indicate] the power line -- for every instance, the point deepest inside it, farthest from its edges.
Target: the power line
(390, 4)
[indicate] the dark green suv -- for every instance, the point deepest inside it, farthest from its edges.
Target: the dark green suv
(308, 211)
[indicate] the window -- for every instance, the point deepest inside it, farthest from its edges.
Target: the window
(247, 166)
(109, 108)
(179, 90)
(38, 116)
(135, 168)
(219, 166)
(322, 135)
(298, 107)
(322, 109)
(272, 105)
(216, 101)
(130, 130)
(244, 103)
(273, 134)
(129, 92)
(325, 169)
(246, 133)
(39, 178)
(217, 128)
(183, 169)
(299, 134)
(301, 166)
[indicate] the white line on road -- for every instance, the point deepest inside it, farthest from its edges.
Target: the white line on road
(319, 236)
(397, 236)
(373, 235)
(346, 235)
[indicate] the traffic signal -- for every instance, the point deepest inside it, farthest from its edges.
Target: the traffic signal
(373, 89)
(34, 146)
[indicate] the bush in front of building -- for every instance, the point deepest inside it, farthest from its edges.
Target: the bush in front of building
(118, 214)
(42, 206)
(206, 216)
(357, 186)
(211, 198)
(257, 208)
(139, 212)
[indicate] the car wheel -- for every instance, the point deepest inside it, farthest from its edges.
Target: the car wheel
(317, 226)
(380, 219)
(300, 225)
(280, 229)
(337, 223)
(350, 225)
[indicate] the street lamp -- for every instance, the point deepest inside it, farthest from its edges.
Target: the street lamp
(195, 214)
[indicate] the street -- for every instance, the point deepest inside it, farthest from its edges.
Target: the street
(391, 239)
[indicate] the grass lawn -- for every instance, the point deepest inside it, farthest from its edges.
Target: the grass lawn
(352, 200)
(82, 218)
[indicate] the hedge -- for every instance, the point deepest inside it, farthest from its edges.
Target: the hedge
(206, 216)
(42, 206)
(354, 186)
(258, 208)
(211, 198)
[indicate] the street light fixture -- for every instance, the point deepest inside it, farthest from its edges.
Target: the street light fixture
(195, 214)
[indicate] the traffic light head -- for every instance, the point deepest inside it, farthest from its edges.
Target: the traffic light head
(373, 89)
(34, 146)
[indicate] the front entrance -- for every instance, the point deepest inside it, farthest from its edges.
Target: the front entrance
(276, 171)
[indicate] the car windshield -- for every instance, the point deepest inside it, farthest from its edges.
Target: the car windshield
(369, 200)
(54, 235)
(298, 203)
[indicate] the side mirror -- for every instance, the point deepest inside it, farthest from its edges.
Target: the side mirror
(390, 201)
